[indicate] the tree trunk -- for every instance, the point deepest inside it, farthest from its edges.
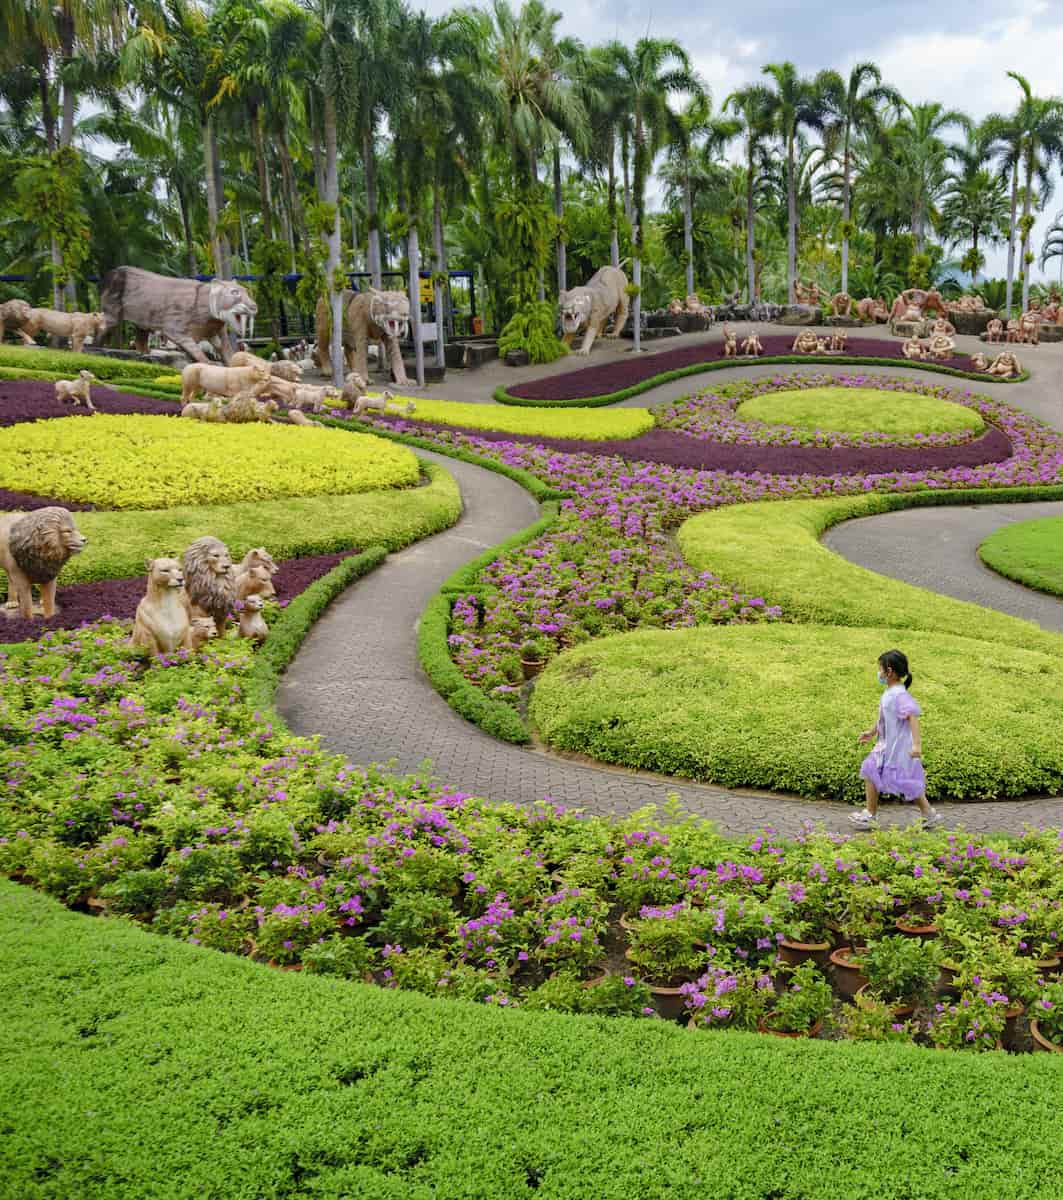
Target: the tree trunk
(186, 225)
(413, 252)
(243, 238)
(791, 223)
(614, 233)
(219, 190)
(624, 155)
(559, 212)
(332, 240)
(295, 203)
(1027, 203)
(439, 294)
(207, 130)
(1011, 236)
(372, 215)
(751, 272)
(847, 208)
(637, 234)
(264, 196)
(688, 232)
(636, 308)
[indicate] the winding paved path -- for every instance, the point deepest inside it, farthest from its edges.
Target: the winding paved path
(356, 682)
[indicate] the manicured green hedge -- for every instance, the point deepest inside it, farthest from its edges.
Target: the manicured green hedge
(772, 549)
(780, 707)
(135, 1066)
(466, 577)
(856, 410)
(293, 528)
(493, 716)
(65, 362)
(1030, 552)
(526, 479)
(504, 397)
(135, 386)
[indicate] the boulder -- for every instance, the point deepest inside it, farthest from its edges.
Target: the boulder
(972, 323)
(799, 314)
(910, 329)
(844, 322)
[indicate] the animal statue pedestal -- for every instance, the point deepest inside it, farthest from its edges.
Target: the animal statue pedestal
(972, 323)
(843, 322)
(910, 329)
(799, 314)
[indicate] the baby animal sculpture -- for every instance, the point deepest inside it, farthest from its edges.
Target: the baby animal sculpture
(34, 548)
(203, 411)
(76, 327)
(245, 408)
(76, 392)
(913, 348)
(870, 309)
(806, 342)
(369, 316)
(979, 362)
(297, 417)
(1005, 366)
(381, 404)
(210, 580)
(730, 342)
(223, 381)
(289, 371)
(162, 624)
(255, 581)
(201, 631)
(310, 398)
(994, 331)
(590, 307)
(752, 345)
(841, 304)
(252, 623)
(258, 557)
(354, 387)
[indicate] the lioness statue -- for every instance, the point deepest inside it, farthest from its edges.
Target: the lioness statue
(183, 310)
(75, 326)
(162, 623)
(368, 316)
(34, 548)
(223, 381)
(604, 296)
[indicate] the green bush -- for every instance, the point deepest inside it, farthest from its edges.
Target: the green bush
(466, 577)
(120, 542)
(544, 422)
(197, 1074)
(861, 410)
(780, 707)
(531, 329)
(65, 364)
(1030, 552)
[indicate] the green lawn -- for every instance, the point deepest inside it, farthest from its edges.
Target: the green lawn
(1030, 552)
(139, 1068)
(861, 410)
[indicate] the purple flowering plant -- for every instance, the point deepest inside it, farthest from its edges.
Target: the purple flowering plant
(1046, 1009)
(805, 1000)
(569, 925)
(670, 945)
(974, 1022)
(731, 997)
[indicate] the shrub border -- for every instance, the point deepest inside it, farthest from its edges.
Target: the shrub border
(502, 396)
(118, 384)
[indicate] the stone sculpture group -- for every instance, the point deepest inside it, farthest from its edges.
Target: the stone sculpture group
(588, 308)
(369, 316)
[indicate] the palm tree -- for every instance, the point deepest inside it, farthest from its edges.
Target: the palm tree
(1052, 247)
(752, 105)
(1004, 138)
(924, 160)
(655, 69)
(794, 103)
(606, 105)
(854, 107)
(696, 121)
(975, 208)
(1040, 120)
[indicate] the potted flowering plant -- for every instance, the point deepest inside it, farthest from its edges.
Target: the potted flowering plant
(974, 1022)
(801, 1006)
(532, 657)
(871, 1020)
(1046, 1019)
(900, 971)
(728, 997)
(569, 925)
(805, 918)
(669, 948)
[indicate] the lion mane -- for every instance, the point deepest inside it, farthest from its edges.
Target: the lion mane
(34, 548)
(210, 580)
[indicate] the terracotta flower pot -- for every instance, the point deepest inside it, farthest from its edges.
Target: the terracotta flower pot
(811, 1032)
(796, 953)
(1045, 966)
(531, 667)
(669, 1002)
(901, 1011)
(848, 978)
(98, 906)
(916, 928)
(1009, 1035)
(947, 979)
(1040, 1042)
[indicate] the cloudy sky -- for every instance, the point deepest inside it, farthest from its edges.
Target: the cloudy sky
(953, 51)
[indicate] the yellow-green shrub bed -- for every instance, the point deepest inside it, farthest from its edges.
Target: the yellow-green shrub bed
(143, 462)
(587, 424)
(780, 707)
(861, 410)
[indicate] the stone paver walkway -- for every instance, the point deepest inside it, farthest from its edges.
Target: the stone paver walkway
(356, 682)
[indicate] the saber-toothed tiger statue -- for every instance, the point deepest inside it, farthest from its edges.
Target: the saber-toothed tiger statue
(589, 307)
(368, 316)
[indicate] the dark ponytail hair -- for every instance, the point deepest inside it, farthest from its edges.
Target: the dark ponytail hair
(895, 661)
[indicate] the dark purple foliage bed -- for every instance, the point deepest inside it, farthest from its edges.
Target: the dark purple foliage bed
(675, 449)
(118, 598)
(610, 377)
(34, 400)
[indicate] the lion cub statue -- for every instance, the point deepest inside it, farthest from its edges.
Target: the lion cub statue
(34, 548)
(604, 296)
(162, 624)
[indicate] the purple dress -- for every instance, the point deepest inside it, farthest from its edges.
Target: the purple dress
(890, 766)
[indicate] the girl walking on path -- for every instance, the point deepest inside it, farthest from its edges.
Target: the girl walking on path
(895, 765)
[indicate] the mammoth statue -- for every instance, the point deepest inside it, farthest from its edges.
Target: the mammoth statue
(369, 316)
(183, 310)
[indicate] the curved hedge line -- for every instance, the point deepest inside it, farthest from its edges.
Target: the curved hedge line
(1030, 552)
(502, 396)
(547, 421)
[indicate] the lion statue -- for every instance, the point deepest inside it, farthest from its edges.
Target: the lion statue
(223, 381)
(369, 316)
(77, 392)
(259, 556)
(210, 580)
(589, 307)
(13, 314)
(75, 326)
(183, 310)
(201, 631)
(162, 624)
(34, 548)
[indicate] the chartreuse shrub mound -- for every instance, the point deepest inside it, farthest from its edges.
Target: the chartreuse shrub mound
(144, 462)
(1030, 552)
(119, 542)
(780, 707)
(862, 410)
(587, 425)
(137, 1067)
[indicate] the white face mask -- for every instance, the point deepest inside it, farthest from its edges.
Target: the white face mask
(882, 680)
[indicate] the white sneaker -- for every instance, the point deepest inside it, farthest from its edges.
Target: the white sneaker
(863, 819)
(932, 819)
